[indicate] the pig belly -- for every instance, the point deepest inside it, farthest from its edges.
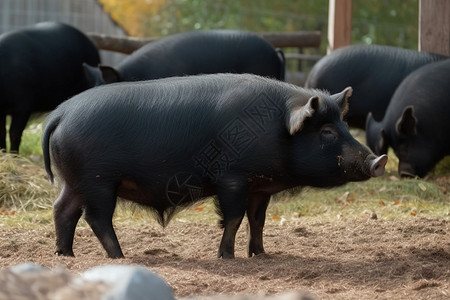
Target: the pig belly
(130, 190)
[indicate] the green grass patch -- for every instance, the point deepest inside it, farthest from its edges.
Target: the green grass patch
(31, 137)
(386, 197)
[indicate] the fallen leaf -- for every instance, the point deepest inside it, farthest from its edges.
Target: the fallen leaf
(370, 214)
(422, 186)
(397, 202)
(351, 197)
(381, 202)
(198, 208)
(413, 213)
(276, 217)
(342, 199)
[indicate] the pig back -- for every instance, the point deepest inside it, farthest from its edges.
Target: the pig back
(164, 127)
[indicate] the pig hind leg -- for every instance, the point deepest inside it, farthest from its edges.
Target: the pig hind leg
(256, 214)
(67, 211)
(98, 213)
(232, 196)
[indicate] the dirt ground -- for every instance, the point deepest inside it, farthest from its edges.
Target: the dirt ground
(342, 259)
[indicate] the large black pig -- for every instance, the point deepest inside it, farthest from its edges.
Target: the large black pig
(40, 67)
(416, 124)
(196, 52)
(166, 143)
(373, 71)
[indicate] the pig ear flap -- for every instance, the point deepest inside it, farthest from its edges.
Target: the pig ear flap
(342, 99)
(407, 124)
(298, 115)
(91, 74)
(382, 144)
(376, 137)
(108, 74)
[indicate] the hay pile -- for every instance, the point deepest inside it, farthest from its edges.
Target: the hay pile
(23, 185)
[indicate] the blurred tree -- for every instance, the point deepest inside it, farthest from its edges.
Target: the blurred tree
(393, 22)
(132, 14)
(390, 22)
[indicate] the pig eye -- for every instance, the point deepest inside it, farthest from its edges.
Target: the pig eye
(328, 135)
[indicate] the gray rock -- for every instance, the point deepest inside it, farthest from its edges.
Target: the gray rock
(27, 268)
(130, 283)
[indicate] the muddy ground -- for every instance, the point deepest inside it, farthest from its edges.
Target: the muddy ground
(358, 258)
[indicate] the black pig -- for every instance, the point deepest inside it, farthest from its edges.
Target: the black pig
(196, 52)
(166, 143)
(416, 123)
(373, 71)
(40, 67)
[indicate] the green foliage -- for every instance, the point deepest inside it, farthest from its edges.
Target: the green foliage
(393, 22)
(183, 15)
(386, 23)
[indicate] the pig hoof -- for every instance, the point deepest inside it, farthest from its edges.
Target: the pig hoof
(62, 253)
(226, 255)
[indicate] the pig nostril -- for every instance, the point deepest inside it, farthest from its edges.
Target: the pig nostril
(377, 165)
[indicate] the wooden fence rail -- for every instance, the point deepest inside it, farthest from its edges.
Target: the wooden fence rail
(297, 39)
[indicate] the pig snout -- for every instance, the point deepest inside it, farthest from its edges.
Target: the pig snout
(377, 165)
(406, 170)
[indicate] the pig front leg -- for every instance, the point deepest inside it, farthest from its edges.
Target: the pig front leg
(232, 195)
(19, 121)
(256, 215)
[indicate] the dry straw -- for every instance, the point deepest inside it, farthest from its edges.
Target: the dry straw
(24, 185)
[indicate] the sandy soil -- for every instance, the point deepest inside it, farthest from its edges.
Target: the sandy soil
(359, 258)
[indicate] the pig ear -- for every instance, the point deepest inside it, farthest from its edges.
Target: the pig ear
(108, 74)
(342, 99)
(406, 125)
(382, 145)
(91, 74)
(299, 115)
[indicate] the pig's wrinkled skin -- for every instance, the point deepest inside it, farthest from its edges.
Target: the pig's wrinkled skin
(167, 143)
(416, 123)
(40, 67)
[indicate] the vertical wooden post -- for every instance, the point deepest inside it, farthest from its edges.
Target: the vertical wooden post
(339, 23)
(434, 26)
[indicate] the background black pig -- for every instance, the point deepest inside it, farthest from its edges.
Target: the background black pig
(416, 124)
(196, 52)
(166, 143)
(373, 71)
(40, 67)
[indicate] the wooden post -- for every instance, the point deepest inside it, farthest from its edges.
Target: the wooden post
(434, 26)
(339, 24)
